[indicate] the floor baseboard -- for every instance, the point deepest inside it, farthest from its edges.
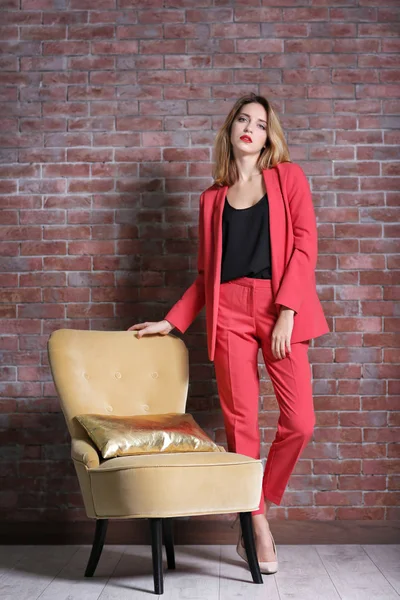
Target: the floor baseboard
(202, 531)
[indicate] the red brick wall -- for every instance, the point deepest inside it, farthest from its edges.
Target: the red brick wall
(109, 109)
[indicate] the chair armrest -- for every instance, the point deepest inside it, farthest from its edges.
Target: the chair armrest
(83, 451)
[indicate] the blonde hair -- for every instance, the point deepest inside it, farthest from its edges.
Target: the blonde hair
(276, 150)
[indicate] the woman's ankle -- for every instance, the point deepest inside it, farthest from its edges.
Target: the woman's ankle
(260, 523)
(267, 506)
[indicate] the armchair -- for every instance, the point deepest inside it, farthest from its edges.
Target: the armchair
(112, 372)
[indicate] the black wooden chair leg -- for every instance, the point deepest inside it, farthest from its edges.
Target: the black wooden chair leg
(168, 535)
(250, 546)
(156, 551)
(98, 543)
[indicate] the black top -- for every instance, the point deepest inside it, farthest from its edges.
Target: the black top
(246, 250)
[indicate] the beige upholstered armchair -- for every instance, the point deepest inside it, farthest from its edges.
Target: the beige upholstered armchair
(114, 373)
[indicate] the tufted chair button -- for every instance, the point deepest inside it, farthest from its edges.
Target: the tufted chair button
(154, 374)
(86, 375)
(118, 375)
(146, 407)
(108, 407)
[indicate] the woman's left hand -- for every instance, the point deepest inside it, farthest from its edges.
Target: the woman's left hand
(282, 332)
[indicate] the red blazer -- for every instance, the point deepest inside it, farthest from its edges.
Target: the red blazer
(294, 249)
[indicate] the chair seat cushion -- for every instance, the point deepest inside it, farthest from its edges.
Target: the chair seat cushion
(168, 485)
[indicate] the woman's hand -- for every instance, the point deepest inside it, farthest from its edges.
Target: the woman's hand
(282, 332)
(149, 327)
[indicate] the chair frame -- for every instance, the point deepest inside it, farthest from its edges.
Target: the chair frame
(161, 530)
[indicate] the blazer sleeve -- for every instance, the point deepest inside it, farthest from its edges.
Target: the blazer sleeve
(298, 275)
(184, 312)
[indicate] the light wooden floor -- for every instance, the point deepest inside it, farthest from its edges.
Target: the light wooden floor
(318, 572)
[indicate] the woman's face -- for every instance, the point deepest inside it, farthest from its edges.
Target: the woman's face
(250, 121)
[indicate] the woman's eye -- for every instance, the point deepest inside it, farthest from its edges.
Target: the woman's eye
(242, 118)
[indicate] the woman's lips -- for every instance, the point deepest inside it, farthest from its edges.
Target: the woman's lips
(246, 139)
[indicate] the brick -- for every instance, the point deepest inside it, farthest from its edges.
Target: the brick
(8, 311)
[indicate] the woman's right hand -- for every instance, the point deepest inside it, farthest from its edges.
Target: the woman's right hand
(150, 327)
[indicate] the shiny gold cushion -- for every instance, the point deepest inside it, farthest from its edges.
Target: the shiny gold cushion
(146, 434)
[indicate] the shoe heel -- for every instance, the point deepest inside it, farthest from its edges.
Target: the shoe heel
(241, 550)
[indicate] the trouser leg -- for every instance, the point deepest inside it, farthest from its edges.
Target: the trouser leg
(237, 374)
(291, 380)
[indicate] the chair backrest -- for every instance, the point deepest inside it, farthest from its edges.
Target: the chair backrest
(114, 373)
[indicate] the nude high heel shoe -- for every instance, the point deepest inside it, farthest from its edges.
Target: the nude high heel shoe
(265, 567)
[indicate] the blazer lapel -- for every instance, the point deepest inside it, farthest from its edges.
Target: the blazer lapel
(217, 231)
(277, 226)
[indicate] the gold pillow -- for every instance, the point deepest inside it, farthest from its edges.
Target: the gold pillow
(147, 434)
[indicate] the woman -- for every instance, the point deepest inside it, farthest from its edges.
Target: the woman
(256, 276)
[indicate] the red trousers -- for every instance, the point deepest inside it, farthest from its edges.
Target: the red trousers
(246, 318)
